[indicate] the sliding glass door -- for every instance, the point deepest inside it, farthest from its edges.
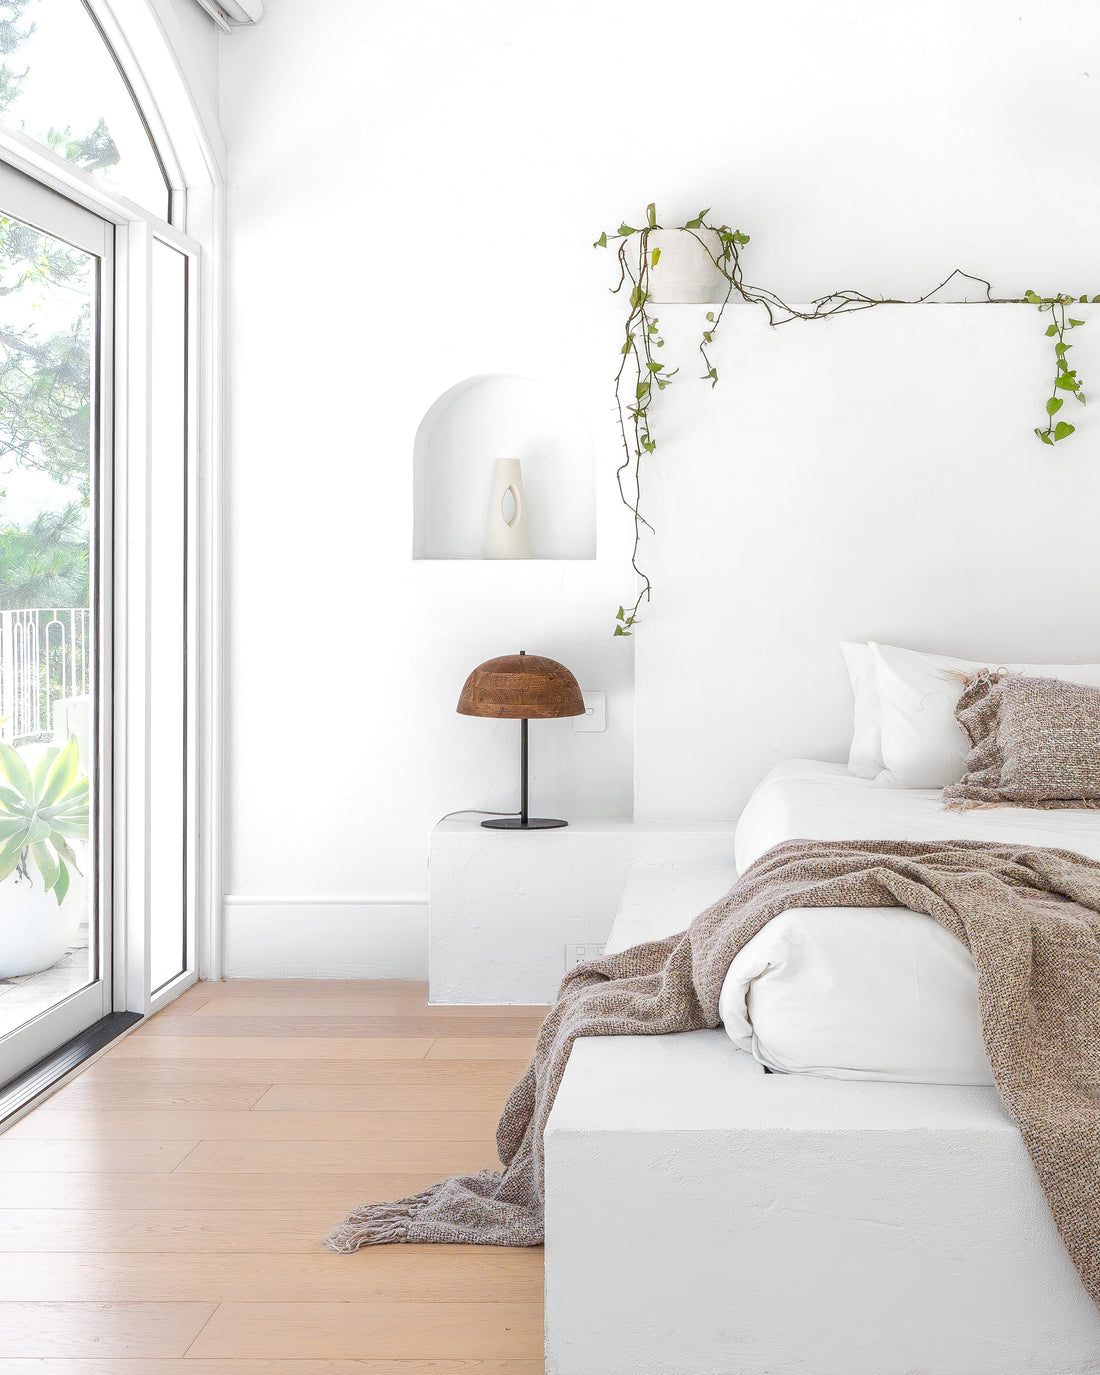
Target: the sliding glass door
(56, 339)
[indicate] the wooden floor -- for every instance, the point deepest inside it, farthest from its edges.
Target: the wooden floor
(164, 1212)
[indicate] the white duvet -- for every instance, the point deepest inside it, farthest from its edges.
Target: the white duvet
(868, 993)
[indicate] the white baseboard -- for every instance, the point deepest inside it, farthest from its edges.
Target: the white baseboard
(325, 937)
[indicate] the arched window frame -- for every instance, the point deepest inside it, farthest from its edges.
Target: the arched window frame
(152, 54)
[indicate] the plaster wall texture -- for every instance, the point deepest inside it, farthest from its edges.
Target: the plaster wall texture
(794, 1224)
(414, 192)
(790, 1223)
(504, 905)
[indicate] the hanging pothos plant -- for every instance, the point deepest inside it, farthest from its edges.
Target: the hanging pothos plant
(642, 373)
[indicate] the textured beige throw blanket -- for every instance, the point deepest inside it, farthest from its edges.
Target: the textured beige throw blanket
(1029, 917)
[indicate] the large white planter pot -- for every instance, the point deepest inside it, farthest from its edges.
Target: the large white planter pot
(34, 931)
(685, 271)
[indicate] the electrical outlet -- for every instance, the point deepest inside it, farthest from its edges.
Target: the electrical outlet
(595, 712)
(581, 954)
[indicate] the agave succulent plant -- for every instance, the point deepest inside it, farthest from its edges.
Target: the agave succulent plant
(42, 808)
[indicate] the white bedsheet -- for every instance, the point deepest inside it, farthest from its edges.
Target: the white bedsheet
(871, 993)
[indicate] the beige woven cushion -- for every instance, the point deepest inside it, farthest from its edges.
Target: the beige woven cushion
(1035, 742)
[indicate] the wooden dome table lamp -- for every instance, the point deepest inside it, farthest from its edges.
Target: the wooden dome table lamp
(521, 687)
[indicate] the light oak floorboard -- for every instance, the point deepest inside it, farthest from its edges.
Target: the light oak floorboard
(146, 1230)
(93, 1366)
(165, 1212)
(181, 1125)
(326, 1026)
(441, 1275)
(336, 1194)
(355, 1005)
(334, 1157)
(418, 1073)
(354, 1098)
(273, 1047)
(19, 1155)
(104, 1330)
(102, 1095)
(385, 1331)
(483, 1048)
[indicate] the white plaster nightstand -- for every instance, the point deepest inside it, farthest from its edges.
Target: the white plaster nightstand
(503, 905)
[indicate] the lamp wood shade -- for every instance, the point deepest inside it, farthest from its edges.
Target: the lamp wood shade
(521, 687)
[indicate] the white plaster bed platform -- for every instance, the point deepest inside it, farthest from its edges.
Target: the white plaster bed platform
(706, 1218)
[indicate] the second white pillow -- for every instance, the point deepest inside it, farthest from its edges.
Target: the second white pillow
(923, 746)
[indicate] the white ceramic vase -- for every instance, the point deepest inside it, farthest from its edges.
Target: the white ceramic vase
(685, 271)
(34, 930)
(506, 534)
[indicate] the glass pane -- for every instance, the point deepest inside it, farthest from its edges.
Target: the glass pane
(59, 85)
(167, 476)
(48, 328)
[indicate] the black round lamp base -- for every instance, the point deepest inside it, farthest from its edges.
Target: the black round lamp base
(533, 823)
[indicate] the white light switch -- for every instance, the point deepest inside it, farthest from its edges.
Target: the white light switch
(595, 712)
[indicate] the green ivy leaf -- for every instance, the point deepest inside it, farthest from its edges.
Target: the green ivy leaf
(740, 238)
(1054, 405)
(1096, 300)
(710, 316)
(625, 229)
(1051, 330)
(651, 215)
(641, 389)
(1062, 430)
(1074, 323)
(1061, 350)
(601, 242)
(708, 337)
(1033, 297)
(655, 367)
(1044, 436)
(656, 256)
(1067, 382)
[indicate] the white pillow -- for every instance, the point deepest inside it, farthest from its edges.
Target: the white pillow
(865, 756)
(923, 746)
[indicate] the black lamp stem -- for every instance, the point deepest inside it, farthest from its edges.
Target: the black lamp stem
(523, 771)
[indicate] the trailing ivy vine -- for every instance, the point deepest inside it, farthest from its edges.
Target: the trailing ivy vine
(642, 373)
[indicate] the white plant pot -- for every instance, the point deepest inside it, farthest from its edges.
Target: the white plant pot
(34, 930)
(685, 272)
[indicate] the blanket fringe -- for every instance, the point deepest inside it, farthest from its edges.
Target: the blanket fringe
(381, 1224)
(376, 1224)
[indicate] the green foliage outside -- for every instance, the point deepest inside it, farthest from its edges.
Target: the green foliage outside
(45, 373)
(42, 808)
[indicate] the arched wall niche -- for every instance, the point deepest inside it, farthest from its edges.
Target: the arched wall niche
(461, 436)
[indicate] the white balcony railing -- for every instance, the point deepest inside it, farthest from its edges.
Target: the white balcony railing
(45, 656)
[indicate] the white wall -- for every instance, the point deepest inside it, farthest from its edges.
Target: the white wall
(414, 192)
(874, 476)
(200, 36)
